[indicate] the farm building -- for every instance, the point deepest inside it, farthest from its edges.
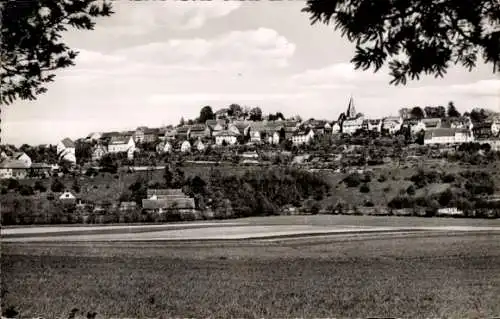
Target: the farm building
(167, 200)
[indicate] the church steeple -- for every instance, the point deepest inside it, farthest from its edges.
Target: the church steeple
(351, 110)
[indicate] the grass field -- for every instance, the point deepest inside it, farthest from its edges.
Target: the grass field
(411, 276)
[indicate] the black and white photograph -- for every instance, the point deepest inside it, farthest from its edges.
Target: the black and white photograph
(249, 159)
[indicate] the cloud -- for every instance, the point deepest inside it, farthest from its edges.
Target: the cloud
(244, 49)
(479, 88)
(339, 75)
(163, 98)
(141, 17)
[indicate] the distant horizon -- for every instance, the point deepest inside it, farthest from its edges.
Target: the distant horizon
(169, 59)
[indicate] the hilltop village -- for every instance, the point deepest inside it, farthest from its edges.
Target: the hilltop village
(157, 171)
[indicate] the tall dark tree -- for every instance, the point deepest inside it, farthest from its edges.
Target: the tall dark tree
(479, 115)
(417, 113)
(206, 113)
(441, 112)
(452, 110)
(256, 114)
(235, 110)
(31, 45)
(415, 37)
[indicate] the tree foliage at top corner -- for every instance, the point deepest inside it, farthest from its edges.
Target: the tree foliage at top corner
(31, 41)
(415, 37)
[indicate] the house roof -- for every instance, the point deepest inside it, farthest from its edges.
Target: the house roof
(225, 133)
(392, 119)
(68, 142)
(171, 132)
(152, 131)
(165, 192)
(482, 125)
(120, 139)
(100, 147)
(213, 123)
(442, 132)
(109, 134)
(17, 155)
(177, 203)
(183, 129)
(13, 164)
(222, 111)
(40, 165)
(198, 127)
(302, 132)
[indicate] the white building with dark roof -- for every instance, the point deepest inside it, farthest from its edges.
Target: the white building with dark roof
(66, 150)
(303, 137)
(448, 136)
(229, 137)
(121, 144)
(12, 168)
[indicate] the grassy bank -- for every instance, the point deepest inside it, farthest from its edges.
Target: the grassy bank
(443, 276)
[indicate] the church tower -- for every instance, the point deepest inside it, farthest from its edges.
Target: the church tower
(351, 110)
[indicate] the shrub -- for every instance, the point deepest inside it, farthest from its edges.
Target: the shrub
(410, 190)
(57, 186)
(382, 179)
(368, 203)
(353, 180)
(39, 186)
(448, 178)
(26, 190)
(364, 188)
(12, 184)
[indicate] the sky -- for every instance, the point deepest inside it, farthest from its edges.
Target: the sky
(153, 62)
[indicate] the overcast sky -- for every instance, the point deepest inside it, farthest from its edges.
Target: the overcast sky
(155, 61)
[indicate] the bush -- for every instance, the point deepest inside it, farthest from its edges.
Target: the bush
(26, 190)
(353, 180)
(364, 188)
(368, 203)
(410, 190)
(382, 179)
(39, 186)
(57, 186)
(448, 178)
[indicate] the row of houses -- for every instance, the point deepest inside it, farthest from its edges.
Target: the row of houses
(18, 165)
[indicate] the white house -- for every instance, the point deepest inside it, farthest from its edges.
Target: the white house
(374, 125)
(255, 136)
(94, 136)
(417, 127)
(336, 128)
(66, 150)
(121, 144)
(12, 168)
(67, 196)
(431, 123)
(448, 136)
(303, 137)
(274, 138)
(185, 147)
(450, 211)
(392, 124)
(199, 146)
(164, 147)
(229, 137)
(495, 127)
(98, 152)
(23, 157)
(350, 126)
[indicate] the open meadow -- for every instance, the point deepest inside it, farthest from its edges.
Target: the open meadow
(440, 268)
